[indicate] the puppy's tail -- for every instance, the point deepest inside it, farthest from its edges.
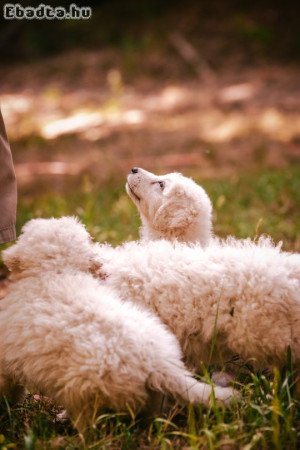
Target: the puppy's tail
(181, 384)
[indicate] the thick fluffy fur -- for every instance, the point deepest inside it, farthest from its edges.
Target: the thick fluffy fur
(67, 336)
(171, 207)
(245, 295)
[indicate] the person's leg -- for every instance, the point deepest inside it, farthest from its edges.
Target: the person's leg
(8, 189)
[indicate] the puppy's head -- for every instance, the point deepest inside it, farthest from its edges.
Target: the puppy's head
(171, 206)
(50, 244)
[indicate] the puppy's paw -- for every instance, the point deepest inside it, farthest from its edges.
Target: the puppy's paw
(222, 379)
(62, 417)
(226, 395)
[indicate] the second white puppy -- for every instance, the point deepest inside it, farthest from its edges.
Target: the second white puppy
(65, 335)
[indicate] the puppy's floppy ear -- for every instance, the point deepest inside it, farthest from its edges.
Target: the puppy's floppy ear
(11, 259)
(176, 212)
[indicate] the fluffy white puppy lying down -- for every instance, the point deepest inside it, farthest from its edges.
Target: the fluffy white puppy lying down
(171, 206)
(64, 334)
(243, 297)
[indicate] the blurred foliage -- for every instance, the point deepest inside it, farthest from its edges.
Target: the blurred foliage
(269, 28)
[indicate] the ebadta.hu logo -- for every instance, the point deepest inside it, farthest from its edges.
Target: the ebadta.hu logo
(47, 12)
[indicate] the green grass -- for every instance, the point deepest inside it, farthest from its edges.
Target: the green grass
(260, 203)
(266, 202)
(268, 416)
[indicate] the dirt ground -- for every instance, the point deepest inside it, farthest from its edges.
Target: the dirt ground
(92, 112)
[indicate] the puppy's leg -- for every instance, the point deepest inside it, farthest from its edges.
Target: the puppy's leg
(10, 388)
(157, 404)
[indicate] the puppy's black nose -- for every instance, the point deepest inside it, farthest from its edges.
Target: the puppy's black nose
(134, 170)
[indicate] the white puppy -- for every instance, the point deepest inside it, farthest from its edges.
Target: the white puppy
(171, 206)
(64, 334)
(224, 299)
(155, 206)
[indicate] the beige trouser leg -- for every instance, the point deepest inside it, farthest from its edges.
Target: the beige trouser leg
(8, 189)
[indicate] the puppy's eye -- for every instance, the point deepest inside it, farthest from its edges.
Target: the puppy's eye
(161, 184)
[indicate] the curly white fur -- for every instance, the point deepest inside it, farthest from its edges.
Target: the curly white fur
(243, 296)
(171, 207)
(67, 336)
